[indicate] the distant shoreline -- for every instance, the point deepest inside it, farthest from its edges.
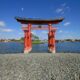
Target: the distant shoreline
(42, 42)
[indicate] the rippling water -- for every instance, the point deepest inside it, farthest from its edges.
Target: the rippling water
(16, 47)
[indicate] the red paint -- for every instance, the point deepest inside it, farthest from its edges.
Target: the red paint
(51, 39)
(27, 39)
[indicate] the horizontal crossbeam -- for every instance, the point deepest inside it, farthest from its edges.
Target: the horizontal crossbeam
(38, 28)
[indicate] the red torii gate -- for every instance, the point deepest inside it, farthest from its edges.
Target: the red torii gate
(27, 32)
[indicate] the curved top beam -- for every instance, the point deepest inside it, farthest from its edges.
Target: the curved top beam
(38, 21)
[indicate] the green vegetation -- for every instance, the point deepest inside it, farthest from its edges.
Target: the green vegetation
(36, 42)
(21, 40)
(35, 39)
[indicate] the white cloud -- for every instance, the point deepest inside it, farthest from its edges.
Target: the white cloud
(6, 30)
(2, 23)
(59, 10)
(22, 9)
(67, 23)
(62, 8)
(64, 4)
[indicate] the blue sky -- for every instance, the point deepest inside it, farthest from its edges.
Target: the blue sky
(44, 9)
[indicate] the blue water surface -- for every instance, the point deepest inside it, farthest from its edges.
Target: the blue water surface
(17, 47)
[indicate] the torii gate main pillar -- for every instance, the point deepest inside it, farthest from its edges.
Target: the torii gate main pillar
(27, 39)
(51, 39)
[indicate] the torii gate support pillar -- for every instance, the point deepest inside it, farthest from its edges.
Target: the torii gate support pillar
(51, 39)
(27, 39)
